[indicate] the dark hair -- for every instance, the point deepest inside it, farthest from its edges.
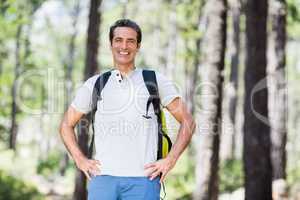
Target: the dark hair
(125, 23)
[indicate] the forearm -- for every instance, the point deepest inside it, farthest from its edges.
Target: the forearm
(69, 139)
(183, 139)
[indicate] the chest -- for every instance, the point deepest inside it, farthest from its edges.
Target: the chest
(123, 96)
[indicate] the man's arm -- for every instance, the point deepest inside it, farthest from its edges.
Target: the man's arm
(70, 119)
(187, 126)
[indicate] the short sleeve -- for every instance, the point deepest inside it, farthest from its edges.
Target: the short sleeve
(82, 101)
(167, 89)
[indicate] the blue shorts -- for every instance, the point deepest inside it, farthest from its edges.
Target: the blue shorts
(106, 187)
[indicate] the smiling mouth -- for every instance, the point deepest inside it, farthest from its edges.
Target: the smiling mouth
(123, 53)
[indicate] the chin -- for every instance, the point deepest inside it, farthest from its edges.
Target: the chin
(122, 62)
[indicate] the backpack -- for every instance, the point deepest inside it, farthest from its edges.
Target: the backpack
(149, 76)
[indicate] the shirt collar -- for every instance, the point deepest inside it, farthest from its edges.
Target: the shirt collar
(117, 73)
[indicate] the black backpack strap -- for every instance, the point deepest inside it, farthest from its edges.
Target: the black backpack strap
(149, 77)
(98, 87)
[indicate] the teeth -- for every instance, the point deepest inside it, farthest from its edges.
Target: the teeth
(123, 53)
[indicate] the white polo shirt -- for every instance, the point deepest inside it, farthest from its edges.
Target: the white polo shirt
(125, 141)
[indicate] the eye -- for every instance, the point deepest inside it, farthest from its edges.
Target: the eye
(131, 41)
(118, 40)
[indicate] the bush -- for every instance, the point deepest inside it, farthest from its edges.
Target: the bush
(15, 189)
(51, 164)
(231, 176)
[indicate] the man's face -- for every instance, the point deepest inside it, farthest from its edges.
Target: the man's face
(124, 46)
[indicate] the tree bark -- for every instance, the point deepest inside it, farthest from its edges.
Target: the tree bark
(14, 106)
(91, 67)
(92, 46)
(192, 75)
(195, 70)
(211, 101)
(277, 88)
(256, 154)
(228, 138)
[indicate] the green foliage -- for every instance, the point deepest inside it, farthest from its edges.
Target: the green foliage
(14, 189)
(231, 176)
(293, 175)
(50, 165)
(181, 181)
(293, 18)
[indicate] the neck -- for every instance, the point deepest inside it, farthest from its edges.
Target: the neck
(125, 69)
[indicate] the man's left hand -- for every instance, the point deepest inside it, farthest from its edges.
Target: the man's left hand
(162, 166)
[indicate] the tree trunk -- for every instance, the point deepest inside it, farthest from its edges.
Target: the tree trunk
(211, 101)
(68, 73)
(277, 88)
(195, 72)
(192, 75)
(14, 106)
(257, 163)
(91, 67)
(228, 138)
(92, 46)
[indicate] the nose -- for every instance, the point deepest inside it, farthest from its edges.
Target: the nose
(124, 45)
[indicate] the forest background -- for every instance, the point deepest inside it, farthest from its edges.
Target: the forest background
(236, 64)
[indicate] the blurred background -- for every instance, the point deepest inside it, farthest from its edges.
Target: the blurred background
(236, 63)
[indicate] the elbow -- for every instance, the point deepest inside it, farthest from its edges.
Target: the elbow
(189, 124)
(192, 126)
(61, 128)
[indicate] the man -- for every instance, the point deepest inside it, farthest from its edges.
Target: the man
(125, 165)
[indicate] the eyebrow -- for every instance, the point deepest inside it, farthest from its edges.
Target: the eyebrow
(130, 39)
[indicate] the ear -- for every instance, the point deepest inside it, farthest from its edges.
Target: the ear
(138, 46)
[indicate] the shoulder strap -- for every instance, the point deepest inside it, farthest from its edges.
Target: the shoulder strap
(149, 77)
(98, 87)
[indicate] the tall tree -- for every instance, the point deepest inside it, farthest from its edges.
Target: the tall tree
(277, 88)
(211, 101)
(256, 154)
(91, 67)
(228, 139)
(194, 73)
(27, 11)
(14, 107)
(192, 34)
(92, 45)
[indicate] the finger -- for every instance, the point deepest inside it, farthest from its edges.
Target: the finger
(149, 165)
(96, 162)
(96, 172)
(98, 166)
(87, 175)
(162, 178)
(94, 168)
(150, 171)
(154, 175)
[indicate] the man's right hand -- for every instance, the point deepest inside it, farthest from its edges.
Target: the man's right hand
(89, 167)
